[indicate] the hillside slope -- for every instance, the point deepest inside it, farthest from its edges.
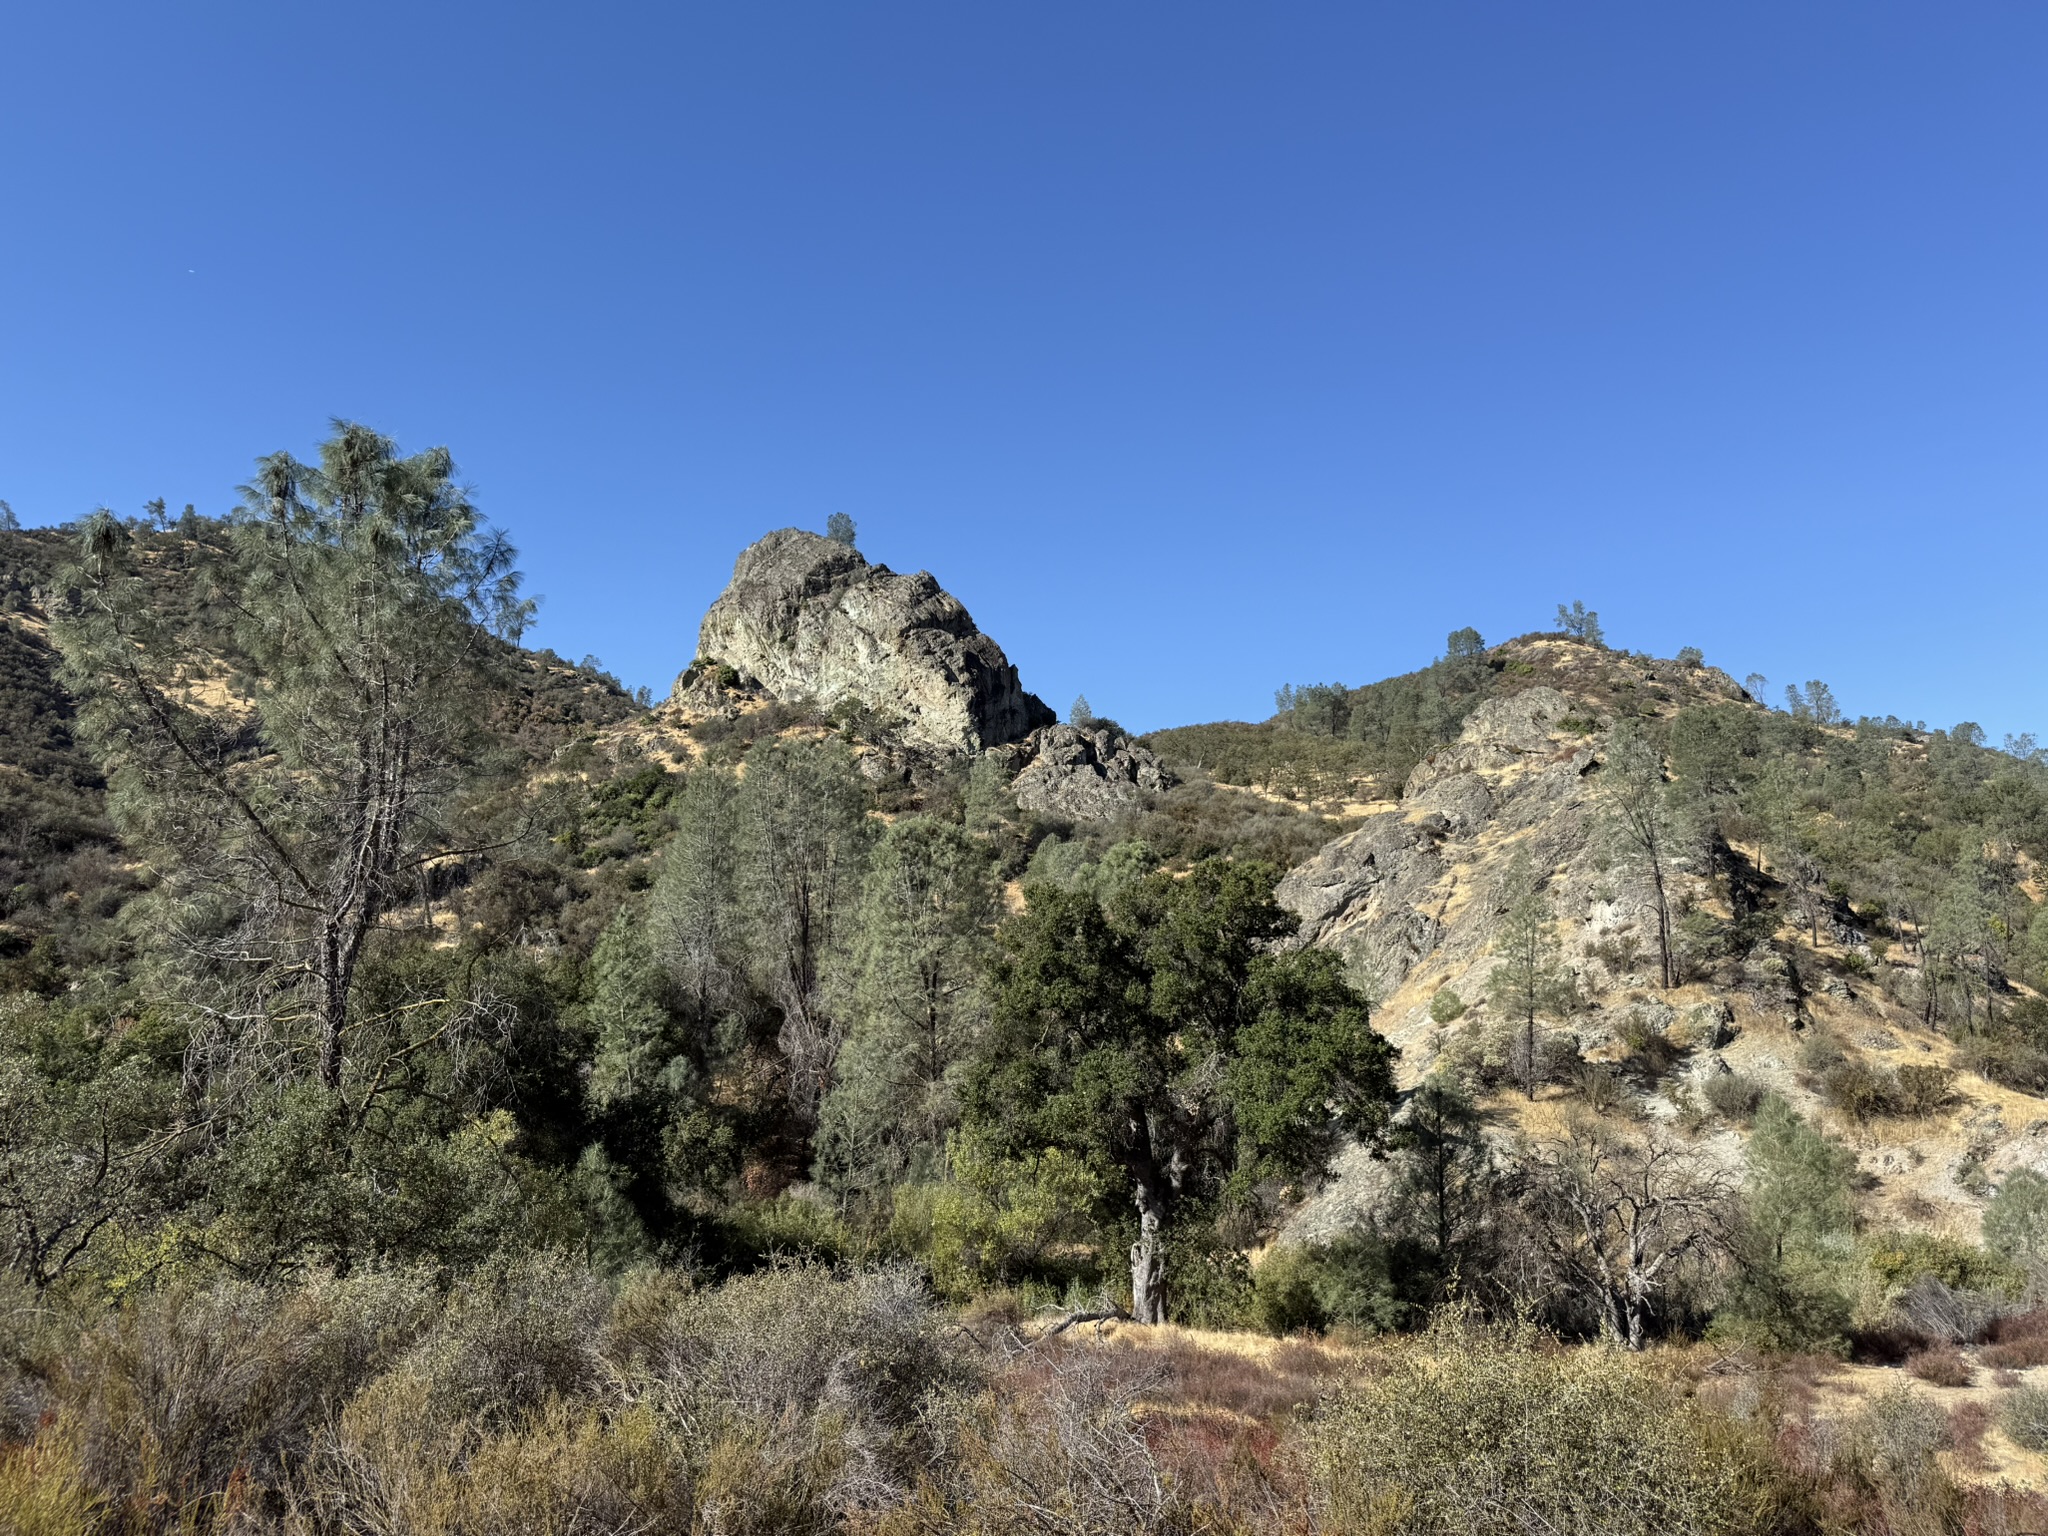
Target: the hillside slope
(1790, 976)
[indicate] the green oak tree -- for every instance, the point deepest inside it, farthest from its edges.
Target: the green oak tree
(1177, 1049)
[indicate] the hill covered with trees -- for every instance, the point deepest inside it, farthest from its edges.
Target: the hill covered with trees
(439, 1091)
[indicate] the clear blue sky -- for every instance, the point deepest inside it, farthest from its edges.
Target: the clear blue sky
(1198, 348)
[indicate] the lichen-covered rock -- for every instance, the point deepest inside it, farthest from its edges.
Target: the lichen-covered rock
(1083, 774)
(807, 618)
(1423, 882)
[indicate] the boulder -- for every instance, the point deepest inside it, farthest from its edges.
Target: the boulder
(809, 619)
(1083, 773)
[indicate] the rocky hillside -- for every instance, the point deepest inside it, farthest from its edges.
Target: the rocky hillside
(63, 870)
(1417, 895)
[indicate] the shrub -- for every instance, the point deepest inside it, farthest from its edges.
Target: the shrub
(2016, 1220)
(1857, 1089)
(189, 1388)
(1620, 953)
(1061, 1448)
(1601, 1087)
(2018, 1341)
(1891, 1446)
(1638, 1033)
(511, 1337)
(1005, 1220)
(1943, 1366)
(789, 1362)
(1899, 1258)
(2025, 1418)
(394, 1466)
(1482, 1429)
(1733, 1096)
(1923, 1089)
(788, 1227)
(1446, 1007)
(1353, 1281)
(1864, 1092)
(1284, 1296)
(1820, 1053)
(2006, 1060)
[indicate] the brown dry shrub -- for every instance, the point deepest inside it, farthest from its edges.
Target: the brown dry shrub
(1060, 1446)
(1967, 1423)
(1942, 1366)
(2018, 1342)
(797, 1367)
(187, 1399)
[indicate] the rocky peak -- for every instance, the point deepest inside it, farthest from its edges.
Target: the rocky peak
(808, 618)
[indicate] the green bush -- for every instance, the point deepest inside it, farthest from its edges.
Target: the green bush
(2016, 1221)
(1353, 1281)
(1794, 1304)
(1477, 1430)
(1446, 1007)
(1900, 1258)
(788, 1227)
(1007, 1220)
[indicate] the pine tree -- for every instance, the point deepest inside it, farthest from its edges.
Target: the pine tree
(802, 842)
(1640, 823)
(916, 1001)
(1527, 980)
(364, 591)
(1444, 1174)
(1581, 623)
(839, 529)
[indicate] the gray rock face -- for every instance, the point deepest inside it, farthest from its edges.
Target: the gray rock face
(1083, 774)
(810, 619)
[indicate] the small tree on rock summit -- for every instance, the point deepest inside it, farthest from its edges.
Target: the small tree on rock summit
(1581, 623)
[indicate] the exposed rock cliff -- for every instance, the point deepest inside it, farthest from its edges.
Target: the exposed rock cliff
(1415, 898)
(807, 618)
(1083, 773)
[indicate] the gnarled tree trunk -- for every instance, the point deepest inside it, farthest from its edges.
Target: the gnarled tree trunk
(1148, 1263)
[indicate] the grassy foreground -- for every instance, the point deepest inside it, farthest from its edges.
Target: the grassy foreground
(538, 1397)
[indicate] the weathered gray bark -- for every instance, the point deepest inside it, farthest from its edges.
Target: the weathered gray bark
(1148, 1264)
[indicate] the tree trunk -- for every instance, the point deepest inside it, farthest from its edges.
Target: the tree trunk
(333, 1014)
(1663, 922)
(1148, 1264)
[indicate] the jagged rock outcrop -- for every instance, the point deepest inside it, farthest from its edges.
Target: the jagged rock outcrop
(1420, 882)
(1083, 774)
(807, 618)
